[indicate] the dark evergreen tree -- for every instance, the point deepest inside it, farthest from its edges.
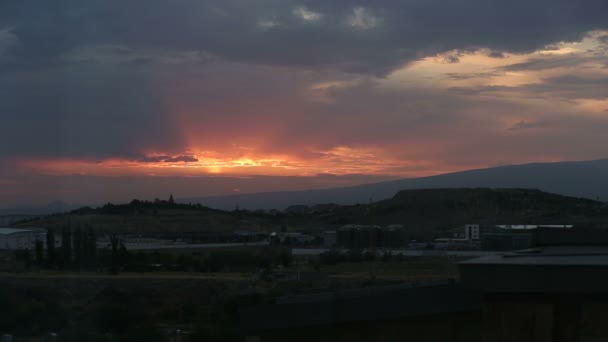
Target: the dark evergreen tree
(114, 242)
(123, 254)
(77, 241)
(39, 251)
(92, 248)
(85, 248)
(27, 257)
(66, 246)
(50, 248)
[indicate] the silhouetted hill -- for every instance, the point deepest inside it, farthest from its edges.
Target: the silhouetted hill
(53, 207)
(151, 217)
(434, 208)
(421, 210)
(580, 179)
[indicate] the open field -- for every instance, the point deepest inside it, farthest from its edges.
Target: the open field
(146, 305)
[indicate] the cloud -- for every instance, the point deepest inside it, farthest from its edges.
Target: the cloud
(496, 54)
(181, 159)
(330, 87)
(571, 87)
(524, 125)
(537, 64)
(306, 14)
(153, 159)
(361, 18)
(455, 76)
(230, 28)
(8, 39)
(84, 111)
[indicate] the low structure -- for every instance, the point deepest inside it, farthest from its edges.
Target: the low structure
(329, 238)
(371, 236)
(556, 291)
(17, 239)
(291, 238)
(432, 311)
(506, 237)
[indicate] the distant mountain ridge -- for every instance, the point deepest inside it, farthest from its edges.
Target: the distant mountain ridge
(588, 179)
(50, 208)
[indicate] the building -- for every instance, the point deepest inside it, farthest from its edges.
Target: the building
(471, 232)
(16, 239)
(371, 236)
(555, 291)
(329, 238)
(505, 237)
(431, 311)
(292, 238)
(138, 242)
(477, 231)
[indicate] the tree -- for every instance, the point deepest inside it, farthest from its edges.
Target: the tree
(50, 248)
(27, 258)
(39, 251)
(286, 258)
(115, 256)
(78, 248)
(92, 248)
(123, 255)
(66, 246)
(171, 201)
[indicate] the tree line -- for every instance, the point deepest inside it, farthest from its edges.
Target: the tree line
(77, 251)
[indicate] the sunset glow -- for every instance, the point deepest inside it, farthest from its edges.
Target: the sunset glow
(294, 95)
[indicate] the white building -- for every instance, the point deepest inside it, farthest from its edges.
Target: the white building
(533, 226)
(474, 231)
(14, 238)
(471, 232)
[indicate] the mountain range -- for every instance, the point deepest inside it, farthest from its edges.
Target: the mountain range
(587, 179)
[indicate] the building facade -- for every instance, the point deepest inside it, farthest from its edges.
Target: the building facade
(18, 239)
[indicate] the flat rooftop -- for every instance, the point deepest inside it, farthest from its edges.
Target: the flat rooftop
(549, 255)
(365, 304)
(9, 231)
(548, 269)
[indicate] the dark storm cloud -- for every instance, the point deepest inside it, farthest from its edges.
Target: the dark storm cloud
(94, 112)
(496, 54)
(153, 159)
(455, 76)
(572, 87)
(88, 78)
(181, 159)
(362, 36)
(568, 87)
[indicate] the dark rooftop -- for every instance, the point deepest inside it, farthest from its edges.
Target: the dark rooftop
(366, 304)
(546, 269)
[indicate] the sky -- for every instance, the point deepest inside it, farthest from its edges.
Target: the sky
(106, 100)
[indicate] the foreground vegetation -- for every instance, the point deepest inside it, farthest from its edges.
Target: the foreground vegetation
(156, 305)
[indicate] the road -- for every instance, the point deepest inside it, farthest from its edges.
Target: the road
(404, 252)
(194, 245)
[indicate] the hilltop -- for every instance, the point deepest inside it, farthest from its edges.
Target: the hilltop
(421, 209)
(432, 208)
(151, 217)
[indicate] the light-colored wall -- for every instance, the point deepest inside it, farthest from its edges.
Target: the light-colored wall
(23, 240)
